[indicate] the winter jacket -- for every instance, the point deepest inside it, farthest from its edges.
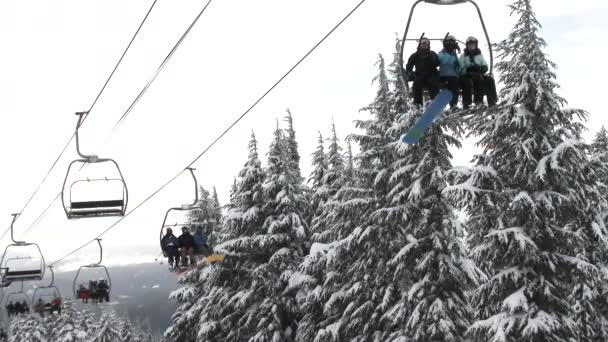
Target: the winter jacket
(200, 239)
(186, 240)
(102, 286)
(473, 62)
(425, 62)
(169, 241)
(449, 64)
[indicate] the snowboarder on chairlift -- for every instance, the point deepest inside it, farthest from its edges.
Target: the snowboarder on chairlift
(449, 68)
(200, 242)
(186, 243)
(425, 62)
(170, 247)
(474, 66)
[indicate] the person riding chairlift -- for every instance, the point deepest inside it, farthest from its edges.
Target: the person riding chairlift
(449, 68)
(200, 242)
(474, 67)
(186, 243)
(103, 291)
(170, 247)
(83, 294)
(425, 62)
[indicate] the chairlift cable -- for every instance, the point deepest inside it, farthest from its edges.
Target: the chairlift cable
(160, 68)
(135, 101)
(218, 138)
(90, 109)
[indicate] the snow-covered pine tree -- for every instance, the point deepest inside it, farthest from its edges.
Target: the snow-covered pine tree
(600, 142)
(434, 259)
(245, 299)
(232, 198)
(351, 287)
(599, 152)
(68, 327)
(221, 314)
(319, 168)
(532, 203)
(29, 328)
(208, 214)
(292, 147)
(349, 161)
(334, 177)
(108, 330)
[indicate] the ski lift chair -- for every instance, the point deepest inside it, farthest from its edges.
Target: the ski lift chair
(18, 296)
(96, 265)
(12, 273)
(188, 207)
(443, 3)
(52, 292)
(77, 208)
(184, 207)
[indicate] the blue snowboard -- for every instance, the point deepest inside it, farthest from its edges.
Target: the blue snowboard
(424, 122)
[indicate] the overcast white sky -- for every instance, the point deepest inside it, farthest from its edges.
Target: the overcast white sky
(56, 56)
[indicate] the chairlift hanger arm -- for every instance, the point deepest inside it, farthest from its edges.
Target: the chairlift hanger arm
(90, 157)
(12, 229)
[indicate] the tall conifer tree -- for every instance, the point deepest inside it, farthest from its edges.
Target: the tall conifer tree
(532, 204)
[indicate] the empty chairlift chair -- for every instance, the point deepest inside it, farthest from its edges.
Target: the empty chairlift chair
(21, 260)
(442, 2)
(81, 196)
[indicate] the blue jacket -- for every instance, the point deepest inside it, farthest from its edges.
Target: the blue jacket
(449, 64)
(200, 239)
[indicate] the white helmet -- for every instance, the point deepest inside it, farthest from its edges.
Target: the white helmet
(472, 39)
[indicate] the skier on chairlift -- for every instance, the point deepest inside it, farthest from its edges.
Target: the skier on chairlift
(421, 68)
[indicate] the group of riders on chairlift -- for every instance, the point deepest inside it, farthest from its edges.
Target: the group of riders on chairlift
(431, 71)
(97, 291)
(186, 247)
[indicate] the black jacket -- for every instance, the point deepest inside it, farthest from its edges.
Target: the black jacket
(169, 241)
(186, 240)
(425, 62)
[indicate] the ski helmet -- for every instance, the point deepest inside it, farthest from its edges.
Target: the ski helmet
(423, 41)
(472, 40)
(449, 42)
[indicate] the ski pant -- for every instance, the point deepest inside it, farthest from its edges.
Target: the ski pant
(173, 255)
(103, 295)
(421, 83)
(452, 83)
(473, 87)
(189, 252)
(204, 250)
